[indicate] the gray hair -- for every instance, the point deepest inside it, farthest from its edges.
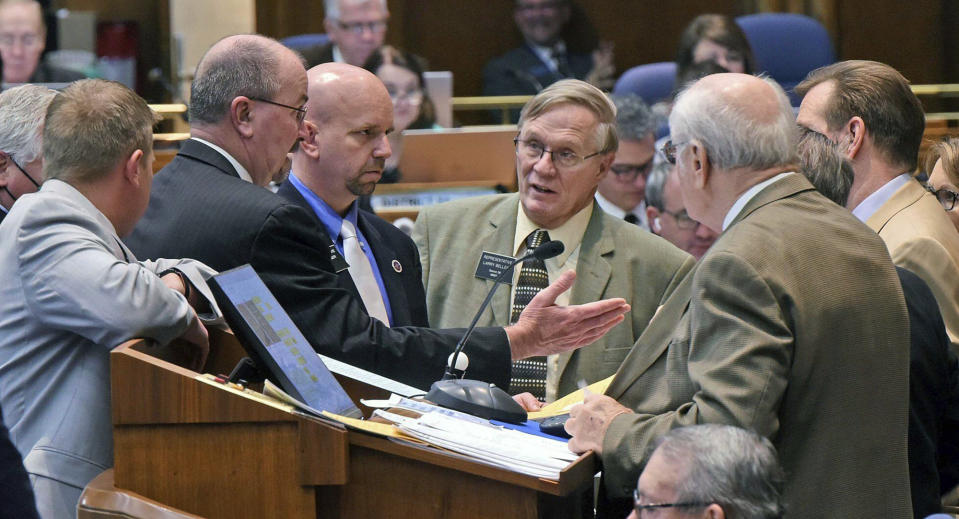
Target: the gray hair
(331, 8)
(656, 185)
(732, 138)
(634, 119)
(22, 110)
(825, 167)
(732, 467)
(581, 93)
(91, 126)
(250, 68)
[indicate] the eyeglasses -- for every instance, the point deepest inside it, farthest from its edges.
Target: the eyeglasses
(669, 150)
(534, 150)
(300, 112)
(358, 28)
(640, 508)
(629, 172)
(413, 97)
(683, 220)
(947, 197)
(34, 182)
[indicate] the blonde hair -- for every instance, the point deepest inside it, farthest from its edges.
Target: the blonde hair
(948, 151)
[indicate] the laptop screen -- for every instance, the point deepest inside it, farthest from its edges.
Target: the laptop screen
(275, 343)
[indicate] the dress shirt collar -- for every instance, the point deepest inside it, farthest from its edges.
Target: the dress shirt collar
(570, 233)
(617, 212)
(547, 55)
(3, 210)
(747, 196)
(337, 55)
(332, 221)
(240, 170)
(873, 202)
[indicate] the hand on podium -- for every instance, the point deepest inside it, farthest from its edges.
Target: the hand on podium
(545, 328)
(528, 401)
(194, 343)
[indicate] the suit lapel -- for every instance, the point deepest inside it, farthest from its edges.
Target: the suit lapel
(592, 268)
(500, 230)
(655, 339)
(385, 256)
(904, 197)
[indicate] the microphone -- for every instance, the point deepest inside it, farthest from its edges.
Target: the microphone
(473, 396)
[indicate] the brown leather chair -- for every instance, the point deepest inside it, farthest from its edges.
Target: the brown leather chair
(102, 500)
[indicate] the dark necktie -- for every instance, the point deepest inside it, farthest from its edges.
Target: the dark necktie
(631, 218)
(529, 374)
(562, 64)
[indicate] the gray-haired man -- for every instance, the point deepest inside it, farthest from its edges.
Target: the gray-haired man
(22, 110)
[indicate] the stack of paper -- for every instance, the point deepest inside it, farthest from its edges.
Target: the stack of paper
(532, 455)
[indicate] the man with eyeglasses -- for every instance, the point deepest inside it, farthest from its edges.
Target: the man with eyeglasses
(622, 191)
(710, 471)
(793, 324)
(247, 105)
(22, 110)
(566, 144)
(23, 36)
(869, 111)
(544, 57)
(667, 213)
(356, 28)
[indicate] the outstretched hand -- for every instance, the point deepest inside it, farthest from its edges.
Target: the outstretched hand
(545, 328)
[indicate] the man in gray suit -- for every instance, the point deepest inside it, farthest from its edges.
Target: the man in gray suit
(793, 324)
(70, 290)
(566, 144)
(21, 125)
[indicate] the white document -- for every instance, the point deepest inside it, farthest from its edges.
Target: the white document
(388, 384)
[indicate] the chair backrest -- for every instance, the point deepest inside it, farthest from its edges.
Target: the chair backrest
(787, 46)
(652, 82)
(302, 41)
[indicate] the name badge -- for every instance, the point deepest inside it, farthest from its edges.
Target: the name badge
(337, 259)
(491, 265)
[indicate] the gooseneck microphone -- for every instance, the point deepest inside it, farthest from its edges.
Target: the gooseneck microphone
(473, 396)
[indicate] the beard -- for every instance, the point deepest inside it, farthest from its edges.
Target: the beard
(821, 161)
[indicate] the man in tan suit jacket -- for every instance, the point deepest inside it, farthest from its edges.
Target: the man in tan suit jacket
(612, 258)
(868, 109)
(793, 324)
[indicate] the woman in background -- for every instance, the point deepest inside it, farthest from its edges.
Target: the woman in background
(942, 163)
(715, 37)
(402, 73)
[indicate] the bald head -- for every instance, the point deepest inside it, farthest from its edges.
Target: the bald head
(336, 89)
(243, 65)
(743, 121)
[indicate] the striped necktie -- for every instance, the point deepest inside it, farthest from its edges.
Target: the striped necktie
(529, 374)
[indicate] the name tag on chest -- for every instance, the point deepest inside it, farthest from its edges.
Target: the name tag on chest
(491, 265)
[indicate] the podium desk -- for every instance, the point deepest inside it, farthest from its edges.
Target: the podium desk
(206, 450)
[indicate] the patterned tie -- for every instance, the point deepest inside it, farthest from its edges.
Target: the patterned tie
(362, 273)
(529, 374)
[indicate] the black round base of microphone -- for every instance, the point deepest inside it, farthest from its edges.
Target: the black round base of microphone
(478, 399)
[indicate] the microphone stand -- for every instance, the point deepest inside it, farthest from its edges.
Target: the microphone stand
(476, 397)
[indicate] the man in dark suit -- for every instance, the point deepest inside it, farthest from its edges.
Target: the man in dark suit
(793, 324)
(355, 27)
(15, 493)
(333, 165)
(543, 59)
(246, 109)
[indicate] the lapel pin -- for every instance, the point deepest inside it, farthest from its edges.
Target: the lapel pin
(397, 267)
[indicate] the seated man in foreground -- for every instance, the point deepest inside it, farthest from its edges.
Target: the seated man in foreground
(793, 324)
(70, 290)
(713, 472)
(566, 144)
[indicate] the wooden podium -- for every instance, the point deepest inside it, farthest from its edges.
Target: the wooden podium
(208, 451)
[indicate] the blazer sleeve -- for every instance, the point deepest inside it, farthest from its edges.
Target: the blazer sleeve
(929, 260)
(336, 324)
(739, 353)
(73, 281)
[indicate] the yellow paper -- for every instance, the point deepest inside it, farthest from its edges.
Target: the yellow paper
(562, 405)
(382, 429)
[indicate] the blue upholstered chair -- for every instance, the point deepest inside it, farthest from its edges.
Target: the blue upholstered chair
(652, 82)
(302, 41)
(787, 46)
